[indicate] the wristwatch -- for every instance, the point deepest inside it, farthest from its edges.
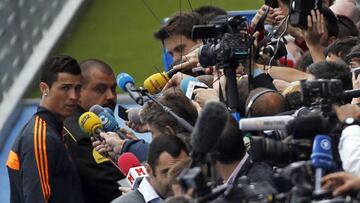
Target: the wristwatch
(349, 121)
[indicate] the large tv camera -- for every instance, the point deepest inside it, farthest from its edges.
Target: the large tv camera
(288, 138)
(226, 41)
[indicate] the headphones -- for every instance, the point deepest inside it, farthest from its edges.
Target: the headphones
(254, 98)
(352, 55)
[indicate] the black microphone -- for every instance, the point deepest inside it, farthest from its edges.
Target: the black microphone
(207, 130)
(126, 83)
(308, 127)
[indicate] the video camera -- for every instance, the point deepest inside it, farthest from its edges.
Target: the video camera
(226, 41)
(293, 142)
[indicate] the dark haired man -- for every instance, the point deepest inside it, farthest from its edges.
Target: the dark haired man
(232, 161)
(39, 165)
(175, 35)
(331, 70)
(164, 152)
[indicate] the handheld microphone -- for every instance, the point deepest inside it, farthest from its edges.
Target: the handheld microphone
(126, 161)
(189, 84)
(107, 120)
(156, 82)
(89, 122)
(126, 83)
(321, 158)
(207, 130)
(265, 123)
(130, 166)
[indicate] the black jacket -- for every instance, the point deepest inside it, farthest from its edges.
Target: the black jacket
(98, 175)
(39, 165)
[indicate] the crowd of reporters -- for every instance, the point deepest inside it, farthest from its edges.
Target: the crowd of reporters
(260, 111)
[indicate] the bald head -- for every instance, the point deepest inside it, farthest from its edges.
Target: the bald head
(90, 64)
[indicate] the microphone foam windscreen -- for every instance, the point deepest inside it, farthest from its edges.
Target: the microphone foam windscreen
(156, 82)
(122, 79)
(209, 127)
(89, 122)
(185, 83)
(96, 109)
(307, 127)
(126, 161)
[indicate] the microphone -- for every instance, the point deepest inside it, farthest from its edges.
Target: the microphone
(189, 84)
(321, 158)
(308, 127)
(130, 166)
(156, 82)
(265, 123)
(349, 94)
(107, 120)
(126, 83)
(208, 129)
(126, 161)
(89, 122)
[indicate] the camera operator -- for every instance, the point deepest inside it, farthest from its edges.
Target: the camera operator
(175, 35)
(264, 102)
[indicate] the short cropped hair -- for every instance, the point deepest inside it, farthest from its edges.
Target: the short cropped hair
(89, 64)
(58, 64)
(164, 143)
(174, 99)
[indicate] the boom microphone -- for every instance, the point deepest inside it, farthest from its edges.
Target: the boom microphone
(308, 127)
(127, 84)
(107, 119)
(208, 129)
(265, 123)
(130, 166)
(156, 82)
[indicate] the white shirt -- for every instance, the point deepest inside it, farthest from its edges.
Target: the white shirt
(147, 191)
(237, 169)
(349, 149)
